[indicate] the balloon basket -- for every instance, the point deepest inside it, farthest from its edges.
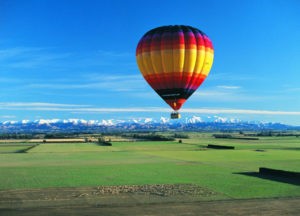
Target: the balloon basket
(175, 115)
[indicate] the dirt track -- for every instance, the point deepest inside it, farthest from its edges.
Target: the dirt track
(265, 207)
(138, 200)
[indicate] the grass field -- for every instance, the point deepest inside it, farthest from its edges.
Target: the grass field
(139, 163)
(13, 148)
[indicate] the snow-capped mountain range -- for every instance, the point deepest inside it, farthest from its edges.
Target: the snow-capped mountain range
(111, 122)
(207, 123)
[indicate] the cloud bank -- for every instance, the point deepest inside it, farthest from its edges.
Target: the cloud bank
(40, 106)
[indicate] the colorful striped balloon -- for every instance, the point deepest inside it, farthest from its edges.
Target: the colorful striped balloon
(175, 60)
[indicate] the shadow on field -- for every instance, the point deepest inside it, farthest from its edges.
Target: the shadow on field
(291, 148)
(295, 180)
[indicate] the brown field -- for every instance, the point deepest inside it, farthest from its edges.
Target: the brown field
(41, 140)
(67, 140)
(137, 200)
(14, 141)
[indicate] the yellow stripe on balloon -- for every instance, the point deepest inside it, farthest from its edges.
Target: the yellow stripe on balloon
(189, 60)
(140, 63)
(148, 62)
(199, 61)
(178, 59)
(156, 61)
(209, 57)
(167, 60)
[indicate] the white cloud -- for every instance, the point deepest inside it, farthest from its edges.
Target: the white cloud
(9, 80)
(210, 93)
(241, 111)
(220, 95)
(114, 54)
(16, 52)
(116, 77)
(30, 57)
(88, 109)
(229, 87)
(50, 61)
(45, 58)
(296, 89)
(4, 105)
(230, 77)
(230, 95)
(7, 116)
(120, 83)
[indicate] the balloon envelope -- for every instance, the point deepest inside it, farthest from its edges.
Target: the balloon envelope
(175, 60)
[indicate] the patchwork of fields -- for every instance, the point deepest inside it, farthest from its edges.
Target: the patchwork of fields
(228, 173)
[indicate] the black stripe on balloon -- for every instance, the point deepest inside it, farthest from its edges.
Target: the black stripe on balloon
(173, 28)
(179, 93)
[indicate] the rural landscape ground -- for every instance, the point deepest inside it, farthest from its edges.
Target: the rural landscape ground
(186, 176)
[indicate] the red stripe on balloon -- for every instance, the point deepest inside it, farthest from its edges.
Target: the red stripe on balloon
(169, 80)
(197, 81)
(176, 104)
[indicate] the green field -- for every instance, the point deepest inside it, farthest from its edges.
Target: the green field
(14, 148)
(138, 163)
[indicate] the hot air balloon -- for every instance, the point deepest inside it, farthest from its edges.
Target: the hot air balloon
(175, 60)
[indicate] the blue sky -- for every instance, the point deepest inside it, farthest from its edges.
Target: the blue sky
(76, 59)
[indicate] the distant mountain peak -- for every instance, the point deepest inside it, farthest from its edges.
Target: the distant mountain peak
(163, 123)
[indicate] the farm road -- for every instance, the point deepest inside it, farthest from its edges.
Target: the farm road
(265, 207)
